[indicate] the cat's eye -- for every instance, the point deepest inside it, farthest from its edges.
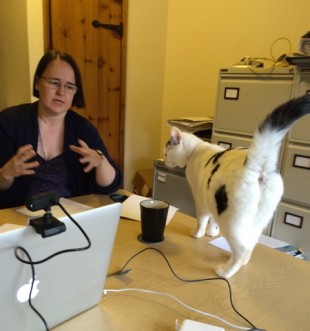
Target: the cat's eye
(169, 143)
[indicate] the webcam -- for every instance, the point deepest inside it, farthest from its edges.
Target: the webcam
(46, 225)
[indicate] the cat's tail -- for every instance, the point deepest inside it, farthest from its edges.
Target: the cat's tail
(264, 151)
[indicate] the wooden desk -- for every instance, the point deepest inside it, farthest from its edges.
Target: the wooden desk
(272, 291)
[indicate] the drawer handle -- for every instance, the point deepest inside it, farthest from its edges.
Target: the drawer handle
(301, 161)
(231, 93)
(224, 144)
(293, 220)
(161, 177)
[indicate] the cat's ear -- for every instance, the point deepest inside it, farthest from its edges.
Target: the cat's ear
(176, 135)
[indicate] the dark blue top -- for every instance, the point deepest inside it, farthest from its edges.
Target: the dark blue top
(19, 127)
(51, 175)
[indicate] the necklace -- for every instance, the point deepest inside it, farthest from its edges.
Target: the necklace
(41, 145)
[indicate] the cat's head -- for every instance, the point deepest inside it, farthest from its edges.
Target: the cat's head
(179, 148)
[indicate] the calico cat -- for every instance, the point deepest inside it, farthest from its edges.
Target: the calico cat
(237, 189)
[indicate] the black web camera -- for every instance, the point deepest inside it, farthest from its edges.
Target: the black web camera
(46, 225)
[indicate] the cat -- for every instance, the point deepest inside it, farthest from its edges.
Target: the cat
(236, 189)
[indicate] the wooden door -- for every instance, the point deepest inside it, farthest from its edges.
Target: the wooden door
(99, 51)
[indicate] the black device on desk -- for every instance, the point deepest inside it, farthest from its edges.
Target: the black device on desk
(117, 197)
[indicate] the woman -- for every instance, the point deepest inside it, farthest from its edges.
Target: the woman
(46, 146)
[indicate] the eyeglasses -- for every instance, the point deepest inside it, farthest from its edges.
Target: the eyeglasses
(55, 84)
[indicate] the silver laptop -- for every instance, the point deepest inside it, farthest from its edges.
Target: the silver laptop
(65, 285)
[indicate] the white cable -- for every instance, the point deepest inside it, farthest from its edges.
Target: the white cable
(177, 300)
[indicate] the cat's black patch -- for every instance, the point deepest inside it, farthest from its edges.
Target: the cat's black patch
(246, 158)
(215, 169)
(221, 199)
(220, 154)
(216, 156)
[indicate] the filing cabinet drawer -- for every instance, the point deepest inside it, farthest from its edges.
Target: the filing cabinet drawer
(243, 102)
(292, 225)
(301, 131)
(296, 174)
(228, 141)
(172, 186)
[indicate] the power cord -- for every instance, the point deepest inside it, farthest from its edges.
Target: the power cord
(33, 263)
(274, 61)
(178, 301)
(63, 251)
(281, 58)
(32, 284)
(123, 271)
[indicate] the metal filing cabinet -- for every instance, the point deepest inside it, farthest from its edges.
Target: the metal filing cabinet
(292, 221)
(172, 186)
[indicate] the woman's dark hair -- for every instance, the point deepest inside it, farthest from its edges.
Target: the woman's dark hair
(78, 99)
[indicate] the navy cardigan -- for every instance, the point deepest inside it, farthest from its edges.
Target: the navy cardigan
(19, 126)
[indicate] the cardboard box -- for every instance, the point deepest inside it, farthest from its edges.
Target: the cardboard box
(143, 182)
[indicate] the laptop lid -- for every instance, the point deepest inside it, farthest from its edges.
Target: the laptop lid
(65, 285)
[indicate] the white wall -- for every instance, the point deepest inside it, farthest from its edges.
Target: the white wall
(35, 37)
(147, 30)
(21, 46)
(14, 83)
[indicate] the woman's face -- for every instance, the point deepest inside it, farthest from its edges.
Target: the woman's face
(56, 88)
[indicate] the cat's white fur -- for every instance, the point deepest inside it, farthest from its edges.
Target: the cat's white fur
(248, 179)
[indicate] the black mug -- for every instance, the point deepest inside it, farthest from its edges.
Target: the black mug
(153, 220)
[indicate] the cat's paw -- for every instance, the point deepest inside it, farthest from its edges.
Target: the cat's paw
(199, 233)
(213, 231)
(222, 272)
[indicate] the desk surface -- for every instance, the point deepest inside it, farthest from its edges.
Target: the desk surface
(272, 291)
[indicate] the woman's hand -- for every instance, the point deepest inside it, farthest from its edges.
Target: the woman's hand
(89, 156)
(17, 166)
(105, 173)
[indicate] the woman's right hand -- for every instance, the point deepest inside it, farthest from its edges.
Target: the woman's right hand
(18, 166)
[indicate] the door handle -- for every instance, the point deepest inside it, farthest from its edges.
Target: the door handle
(115, 28)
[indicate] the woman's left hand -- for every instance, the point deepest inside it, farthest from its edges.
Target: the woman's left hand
(88, 156)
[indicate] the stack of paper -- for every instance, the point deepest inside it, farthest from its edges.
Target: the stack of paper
(192, 124)
(304, 44)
